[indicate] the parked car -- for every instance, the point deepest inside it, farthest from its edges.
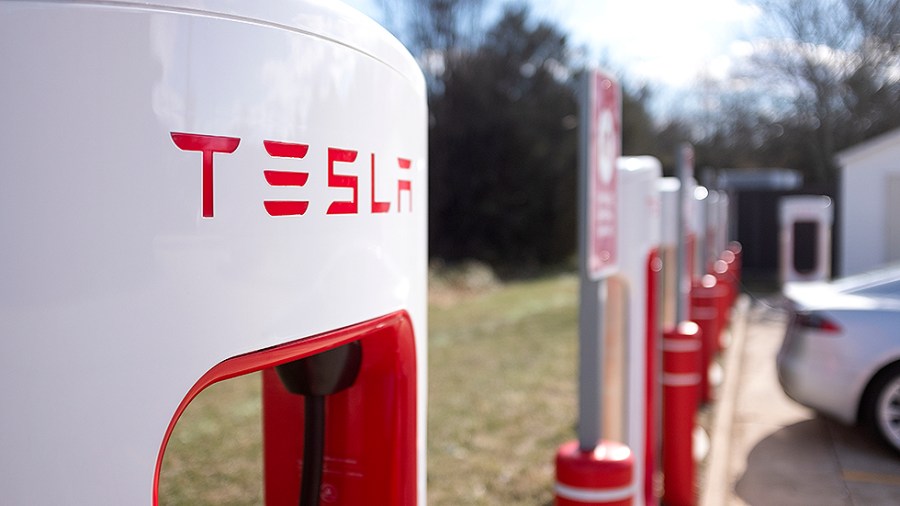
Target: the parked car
(841, 350)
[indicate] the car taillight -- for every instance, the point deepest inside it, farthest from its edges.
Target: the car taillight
(816, 321)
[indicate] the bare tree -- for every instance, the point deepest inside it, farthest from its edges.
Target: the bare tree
(436, 25)
(874, 85)
(838, 62)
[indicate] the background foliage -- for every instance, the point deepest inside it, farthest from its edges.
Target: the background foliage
(504, 121)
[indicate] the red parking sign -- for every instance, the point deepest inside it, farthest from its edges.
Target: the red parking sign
(604, 148)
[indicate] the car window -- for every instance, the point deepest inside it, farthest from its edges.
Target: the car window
(882, 288)
(880, 281)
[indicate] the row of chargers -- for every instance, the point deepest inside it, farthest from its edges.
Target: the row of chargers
(656, 362)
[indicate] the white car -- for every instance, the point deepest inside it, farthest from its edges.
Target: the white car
(841, 350)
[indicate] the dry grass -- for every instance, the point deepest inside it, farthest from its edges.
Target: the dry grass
(502, 393)
(214, 456)
(502, 365)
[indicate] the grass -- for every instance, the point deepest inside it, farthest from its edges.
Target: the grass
(214, 456)
(502, 398)
(502, 392)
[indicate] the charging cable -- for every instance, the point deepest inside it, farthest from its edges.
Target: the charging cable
(316, 377)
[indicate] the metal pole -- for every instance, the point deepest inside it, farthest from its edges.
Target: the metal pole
(683, 281)
(592, 297)
(590, 367)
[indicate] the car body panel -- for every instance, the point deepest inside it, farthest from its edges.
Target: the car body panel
(829, 369)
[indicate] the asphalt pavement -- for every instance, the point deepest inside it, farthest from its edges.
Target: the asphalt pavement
(767, 450)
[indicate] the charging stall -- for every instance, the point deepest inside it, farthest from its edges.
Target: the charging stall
(639, 268)
(717, 224)
(702, 215)
(682, 346)
(669, 188)
(805, 235)
(192, 191)
(707, 293)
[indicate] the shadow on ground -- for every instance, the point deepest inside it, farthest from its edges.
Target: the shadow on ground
(818, 461)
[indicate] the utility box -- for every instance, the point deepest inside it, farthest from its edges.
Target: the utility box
(194, 190)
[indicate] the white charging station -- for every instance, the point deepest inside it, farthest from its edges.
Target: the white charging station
(639, 265)
(717, 224)
(669, 188)
(693, 233)
(191, 190)
(711, 224)
(805, 237)
(703, 212)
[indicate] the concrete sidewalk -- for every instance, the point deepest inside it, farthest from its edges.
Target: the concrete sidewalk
(769, 451)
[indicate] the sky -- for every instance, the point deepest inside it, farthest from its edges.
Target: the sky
(666, 44)
(665, 41)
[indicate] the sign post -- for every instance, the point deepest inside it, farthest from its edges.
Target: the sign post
(592, 471)
(600, 147)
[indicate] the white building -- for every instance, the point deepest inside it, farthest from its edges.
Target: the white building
(870, 203)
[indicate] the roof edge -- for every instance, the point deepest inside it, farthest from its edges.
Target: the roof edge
(867, 147)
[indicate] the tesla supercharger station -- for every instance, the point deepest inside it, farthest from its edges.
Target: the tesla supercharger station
(681, 345)
(805, 235)
(668, 188)
(192, 191)
(639, 268)
(717, 224)
(723, 221)
(690, 245)
(701, 204)
(706, 292)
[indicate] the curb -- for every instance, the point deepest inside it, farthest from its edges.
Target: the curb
(716, 486)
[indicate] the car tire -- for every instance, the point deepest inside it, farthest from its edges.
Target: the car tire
(881, 405)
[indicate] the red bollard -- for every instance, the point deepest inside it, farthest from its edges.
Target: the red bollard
(737, 250)
(707, 298)
(653, 392)
(724, 274)
(727, 262)
(601, 477)
(725, 277)
(681, 381)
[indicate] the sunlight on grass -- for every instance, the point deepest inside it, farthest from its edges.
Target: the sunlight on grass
(502, 392)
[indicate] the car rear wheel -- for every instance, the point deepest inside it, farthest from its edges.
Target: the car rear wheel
(883, 406)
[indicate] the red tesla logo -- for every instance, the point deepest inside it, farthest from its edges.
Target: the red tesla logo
(206, 144)
(284, 178)
(336, 176)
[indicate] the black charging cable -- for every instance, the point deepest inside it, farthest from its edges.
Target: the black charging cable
(316, 377)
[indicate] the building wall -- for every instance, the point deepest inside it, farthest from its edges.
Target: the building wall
(864, 187)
